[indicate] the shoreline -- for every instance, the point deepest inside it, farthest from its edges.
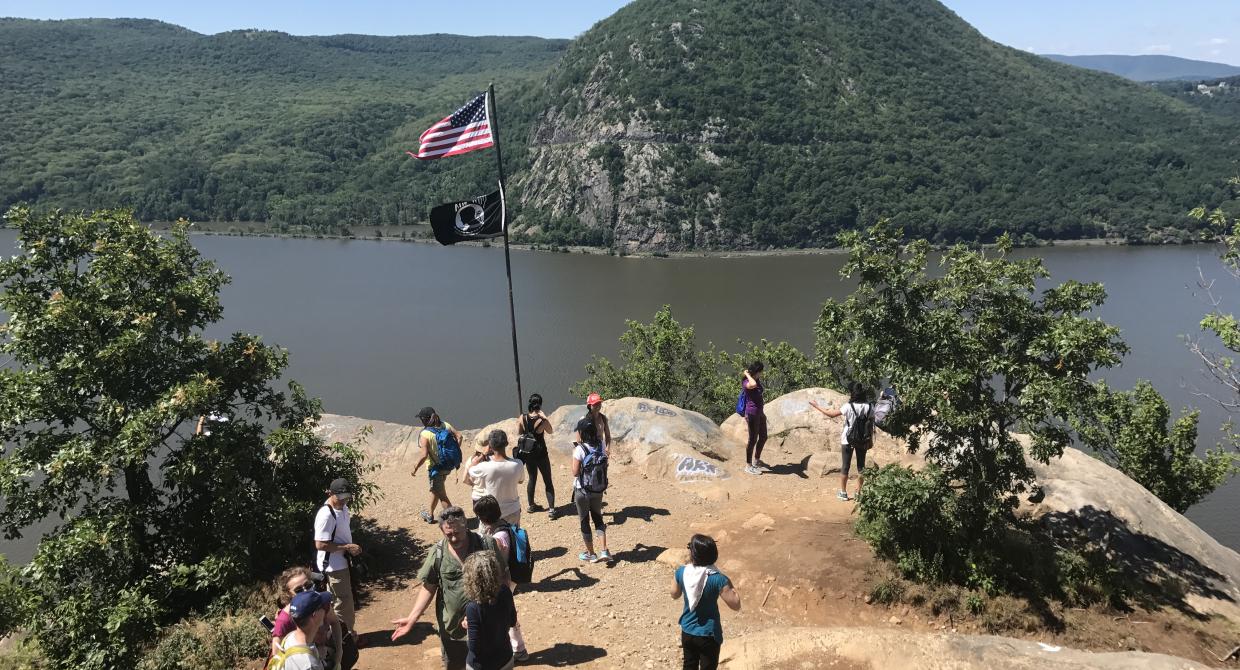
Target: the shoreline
(423, 237)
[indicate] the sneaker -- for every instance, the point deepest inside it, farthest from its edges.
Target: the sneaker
(551, 514)
(604, 556)
(587, 557)
(752, 470)
(533, 508)
(426, 516)
(521, 656)
(762, 466)
(842, 496)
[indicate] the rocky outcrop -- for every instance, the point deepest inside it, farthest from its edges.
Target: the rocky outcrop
(1155, 544)
(800, 434)
(889, 649)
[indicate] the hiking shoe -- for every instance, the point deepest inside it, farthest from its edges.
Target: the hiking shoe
(762, 466)
(604, 556)
(533, 508)
(587, 557)
(521, 656)
(842, 496)
(426, 516)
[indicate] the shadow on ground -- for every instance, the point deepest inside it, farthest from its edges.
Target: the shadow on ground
(798, 469)
(641, 512)
(564, 654)
(392, 556)
(564, 580)
(640, 553)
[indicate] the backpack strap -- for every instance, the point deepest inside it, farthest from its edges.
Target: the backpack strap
(327, 554)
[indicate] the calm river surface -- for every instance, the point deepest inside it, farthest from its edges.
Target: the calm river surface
(379, 329)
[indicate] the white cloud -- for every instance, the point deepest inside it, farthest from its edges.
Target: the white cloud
(1158, 48)
(1218, 40)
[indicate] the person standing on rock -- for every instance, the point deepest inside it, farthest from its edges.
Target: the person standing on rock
(491, 524)
(594, 415)
(443, 580)
(589, 483)
(492, 473)
(533, 427)
(436, 431)
(701, 585)
(857, 435)
(755, 419)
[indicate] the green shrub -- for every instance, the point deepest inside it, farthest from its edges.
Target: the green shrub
(908, 517)
(217, 643)
(887, 592)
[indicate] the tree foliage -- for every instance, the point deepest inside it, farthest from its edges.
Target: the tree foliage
(978, 354)
(663, 361)
(1133, 432)
(110, 372)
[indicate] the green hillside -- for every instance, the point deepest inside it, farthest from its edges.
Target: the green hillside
(1216, 96)
(245, 125)
(682, 123)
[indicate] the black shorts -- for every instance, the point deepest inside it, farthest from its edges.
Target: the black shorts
(848, 456)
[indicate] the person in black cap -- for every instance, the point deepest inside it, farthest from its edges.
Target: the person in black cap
(436, 433)
(333, 538)
(297, 650)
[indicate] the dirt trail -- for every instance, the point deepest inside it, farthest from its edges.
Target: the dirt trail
(784, 539)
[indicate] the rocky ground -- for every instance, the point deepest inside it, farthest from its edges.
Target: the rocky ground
(814, 595)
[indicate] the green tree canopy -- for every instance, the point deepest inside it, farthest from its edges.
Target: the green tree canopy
(110, 373)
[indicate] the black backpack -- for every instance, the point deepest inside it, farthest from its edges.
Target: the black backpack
(861, 430)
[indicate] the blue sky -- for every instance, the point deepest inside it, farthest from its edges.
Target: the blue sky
(1203, 29)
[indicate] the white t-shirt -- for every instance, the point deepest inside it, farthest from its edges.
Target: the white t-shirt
(309, 661)
(323, 527)
(500, 479)
(850, 411)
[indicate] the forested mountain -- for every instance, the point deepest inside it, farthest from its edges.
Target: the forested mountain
(743, 123)
(673, 124)
(1217, 96)
(245, 125)
(1150, 67)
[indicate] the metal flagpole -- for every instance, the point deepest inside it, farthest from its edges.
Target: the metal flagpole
(512, 311)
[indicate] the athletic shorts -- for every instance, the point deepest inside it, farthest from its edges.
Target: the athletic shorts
(437, 484)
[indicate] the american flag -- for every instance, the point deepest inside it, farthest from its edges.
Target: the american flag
(467, 129)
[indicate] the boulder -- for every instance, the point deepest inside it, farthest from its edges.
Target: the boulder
(390, 441)
(895, 649)
(796, 431)
(1140, 533)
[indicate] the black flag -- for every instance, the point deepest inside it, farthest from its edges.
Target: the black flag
(474, 219)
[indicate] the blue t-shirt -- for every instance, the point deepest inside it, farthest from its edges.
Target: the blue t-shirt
(703, 621)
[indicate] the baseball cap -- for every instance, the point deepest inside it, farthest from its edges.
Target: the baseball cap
(340, 485)
(426, 413)
(594, 399)
(306, 603)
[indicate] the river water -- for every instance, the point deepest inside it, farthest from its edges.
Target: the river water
(379, 329)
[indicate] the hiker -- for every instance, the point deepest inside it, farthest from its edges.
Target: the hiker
(297, 650)
(333, 539)
(589, 482)
(702, 585)
(487, 510)
(594, 415)
(857, 435)
(492, 473)
(533, 428)
(755, 419)
(442, 578)
(297, 580)
(437, 435)
(489, 612)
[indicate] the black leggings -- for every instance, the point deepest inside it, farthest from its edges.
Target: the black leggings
(589, 508)
(533, 466)
(757, 437)
(701, 653)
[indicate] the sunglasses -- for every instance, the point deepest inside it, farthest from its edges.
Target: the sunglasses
(306, 586)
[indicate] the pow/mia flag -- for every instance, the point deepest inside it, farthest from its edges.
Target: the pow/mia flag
(474, 219)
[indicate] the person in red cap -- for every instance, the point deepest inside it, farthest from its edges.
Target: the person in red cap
(594, 415)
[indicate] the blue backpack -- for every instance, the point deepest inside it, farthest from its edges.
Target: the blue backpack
(520, 556)
(740, 402)
(449, 450)
(593, 477)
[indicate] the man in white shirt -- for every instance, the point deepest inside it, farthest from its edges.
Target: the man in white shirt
(333, 538)
(493, 473)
